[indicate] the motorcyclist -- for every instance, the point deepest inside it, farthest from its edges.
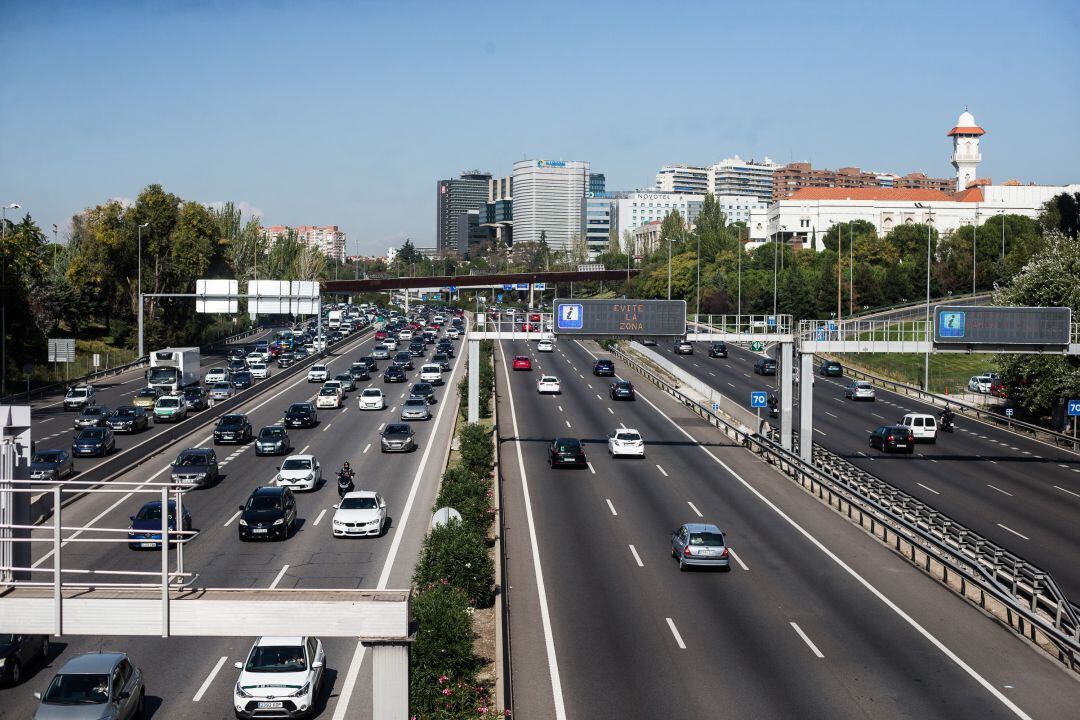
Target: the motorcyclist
(345, 479)
(773, 405)
(945, 417)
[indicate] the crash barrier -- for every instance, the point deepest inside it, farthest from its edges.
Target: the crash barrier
(1001, 583)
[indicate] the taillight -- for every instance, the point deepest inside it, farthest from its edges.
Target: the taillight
(911, 438)
(686, 551)
(890, 438)
(724, 554)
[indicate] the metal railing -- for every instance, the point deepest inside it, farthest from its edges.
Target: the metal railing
(743, 324)
(999, 582)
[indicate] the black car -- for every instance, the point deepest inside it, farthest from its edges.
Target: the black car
(236, 366)
(128, 419)
(403, 359)
(272, 440)
(370, 361)
(18, 652)
(301, 415)
(447, 348)
(765, 366)
(286, 360)
(423, 390)
(237, 353)
(394, 374)
(566, 452)
(270, 512)
(603, 368)
(359, 371)
(94, 441)
(51, 465)
(195, 398)
(893, 438)
(417, 348)
(831, 368)
(233, 428)
(242, 380)
(442, 360)
(195, 465)
(621, 390)
(718, 350)
(91, 416)
(397, 437)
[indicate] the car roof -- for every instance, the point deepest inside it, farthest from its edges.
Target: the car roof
(269, 490)
(701, 527)
(92, 662)
(361, 494)
(301, 457)
(196, 451)
(280, 640)
(628, 430)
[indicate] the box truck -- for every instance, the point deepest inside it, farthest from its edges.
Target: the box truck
(173, 369)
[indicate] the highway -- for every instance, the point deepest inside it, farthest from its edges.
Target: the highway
(1020, 493)
(194, 677)
(815, 618)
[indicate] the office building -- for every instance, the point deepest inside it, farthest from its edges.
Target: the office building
(688, 179)
(453, 198)
(548, 196)
(737, 208)
(735, 176)
(597, 223)
(329, 239)
(597, 184)
(643, 206)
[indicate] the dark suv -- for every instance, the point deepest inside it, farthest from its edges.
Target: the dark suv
(831, 368)
(621, 390)
(232, 429)
(603, 368)
(765, 366)
(566, 452)
(196, 465)
(718, 350)
(270, 512)
(394, 373)
(893, 438)
(301, 415)
(128, 419)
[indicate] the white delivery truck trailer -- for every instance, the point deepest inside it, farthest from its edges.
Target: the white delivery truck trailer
(173, 369)
(333, 319)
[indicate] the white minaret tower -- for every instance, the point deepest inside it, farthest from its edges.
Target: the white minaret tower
(966, 157)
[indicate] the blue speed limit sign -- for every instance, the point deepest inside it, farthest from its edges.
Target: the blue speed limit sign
(758, 399)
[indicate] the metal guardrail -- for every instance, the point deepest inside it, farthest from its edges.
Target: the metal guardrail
(44, 390)
(999, 582)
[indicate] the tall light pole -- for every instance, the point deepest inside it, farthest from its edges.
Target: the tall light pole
(56, 243)
(776, 249)
(839, 266)
(1003, 238)
(926, 360)
(738, 307)
(140, 290)
(3, 305)
(669, 268)
(974, 237)
(851, 271)
(697, 312)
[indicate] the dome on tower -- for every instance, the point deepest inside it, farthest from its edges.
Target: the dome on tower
(966, 119)
(966, 125)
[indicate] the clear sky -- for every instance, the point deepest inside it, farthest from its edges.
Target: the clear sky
(347, 113)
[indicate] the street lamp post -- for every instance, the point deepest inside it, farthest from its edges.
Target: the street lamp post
(669, 268)
(3, 305)
(974, 238)
(1003, 236)
(776, 249)
(738, 307)
(851, 271)
(697, 312)
(926, 359)
(140, 290)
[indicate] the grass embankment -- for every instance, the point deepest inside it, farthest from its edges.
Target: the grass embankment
(949, 372)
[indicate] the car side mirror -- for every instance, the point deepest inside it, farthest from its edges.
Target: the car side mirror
(238, 665)
(382, 505)
(241, 508)
(125, 695)
(37, 695)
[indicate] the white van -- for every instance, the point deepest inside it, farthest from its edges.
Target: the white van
(432, 374)
(922, 426)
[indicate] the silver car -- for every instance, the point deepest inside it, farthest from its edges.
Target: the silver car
(415, 409)
(859, 390)
(700, 544)
(91, 416)
(221, 391)
(51, 465)
(102, 685)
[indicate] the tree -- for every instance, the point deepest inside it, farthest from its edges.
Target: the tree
(863, 231)
(24, 270)
(408, 254)
(671, 228)
(613, 241)
(281, 258)
(1061, 214)
(310, 264)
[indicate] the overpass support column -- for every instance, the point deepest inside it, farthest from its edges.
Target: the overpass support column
(785, 394)
(474, 380)
(806, 407)
(389, 680)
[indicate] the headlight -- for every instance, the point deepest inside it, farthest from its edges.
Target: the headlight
(240, 692)
(200, 476)
(279, 521)
(2, 661)
(243, 522)
(338, 522)
(304, 690)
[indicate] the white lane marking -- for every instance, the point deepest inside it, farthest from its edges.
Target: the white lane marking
(209, 679)
(928, 488)
(560, 408)
(675, 632)
(807, 640)
(281, 574)
(819, 431)
(831, 415)
(303, 450)
(381, 426)
(1068, 491)
(328, 425)
(593, 471)
(611, 507)
(731, 384)
(580, 375)
(662, 471)
(880, 417)
(319, 517)
(1004, 527)
(694, 508)
(738, 559)
(613, 412)
(589, 385)
(637, 558)
(1063, 466)
(598, 396)
(235, 515)
(567, 423)
(366, 448)
(42, 422)
(541, 591)
(1002, 491)
(900, 612)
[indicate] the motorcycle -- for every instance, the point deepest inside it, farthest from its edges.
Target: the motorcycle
(345, 483)
(945, 423)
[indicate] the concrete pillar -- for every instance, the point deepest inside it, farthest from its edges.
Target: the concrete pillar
(806, 407)
(389, 680)
(785, 394)
(474, 380)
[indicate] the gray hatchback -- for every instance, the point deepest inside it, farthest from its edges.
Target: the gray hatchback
(700, 544)
(94, 685)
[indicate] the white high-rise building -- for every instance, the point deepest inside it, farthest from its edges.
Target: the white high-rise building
(548, 198)
(644, 206)
(735, 176)
(689, 179)
(966, 157)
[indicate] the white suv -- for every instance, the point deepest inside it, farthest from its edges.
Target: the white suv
(216, 375)
(372, 399)
(282, 677)
(259, 370)
(922, 426)
(317, 373)
(78, 397)
(431, 373)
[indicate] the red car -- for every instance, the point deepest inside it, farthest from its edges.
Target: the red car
(997, 389)
(529, 327)
(522, 362)
(380, 334)
(534, 318)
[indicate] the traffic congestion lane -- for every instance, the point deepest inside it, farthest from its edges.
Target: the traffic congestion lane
(631, 495)
(314, 558)
(1021, 494)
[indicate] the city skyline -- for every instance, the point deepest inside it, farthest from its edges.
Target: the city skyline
(222, 105)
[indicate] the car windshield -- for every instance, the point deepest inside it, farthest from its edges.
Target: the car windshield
(296, 464)
(359, 503)
(147, 392)
(271, 433)
(415, 402)
(328, 391)
(221, 386)
(47, 457)
(189, 459)
(169, 402)
(298, 408)
(193, 392)
(77, 689)
(93, 411)
(343, 377)
(549, 379)
(124, 413)
(863, 385)
(707, 539)
(421, 388)
(231, 421)
(397, 429)
(569, 446)
(628, 437)
(371, 393)
(276, 659)
(92, 434)
(262, 503)
(318, 368)
(152, 512)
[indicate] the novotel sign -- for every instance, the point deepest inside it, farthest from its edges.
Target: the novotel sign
(619, 317)
(550, 163)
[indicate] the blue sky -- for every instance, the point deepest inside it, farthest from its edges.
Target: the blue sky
(348, 113)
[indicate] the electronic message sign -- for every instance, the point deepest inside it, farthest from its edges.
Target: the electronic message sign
(619, 317)
(1003, 326)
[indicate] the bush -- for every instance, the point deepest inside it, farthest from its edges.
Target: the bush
(458, 553)
(477, 453)
(458, 700)
(469, 495)
(443, 646)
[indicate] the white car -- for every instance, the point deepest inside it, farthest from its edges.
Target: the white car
(545, 346)
(453, 333)
(549, 384)
(216, 375)
(317, 373)
(328, 397)
(431, 373)
(372, 399)
(922, 426)
(360, 513)
(336, 384)
(391, 344)
(259, 370)
(256, 357)
(626, 441)
(280, 671)
(981, 383)
(300, 472)
(405, 335)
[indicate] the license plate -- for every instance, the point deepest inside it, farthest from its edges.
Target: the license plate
(267, 705)
(901, 445)
(148, 544)
(258, 530)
